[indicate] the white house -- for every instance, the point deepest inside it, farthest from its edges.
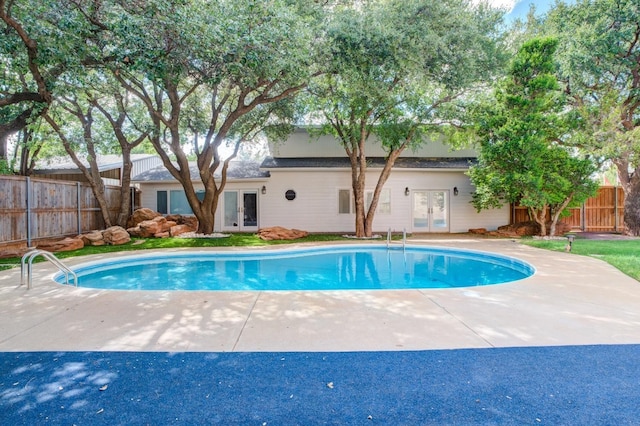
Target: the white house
(306, 184)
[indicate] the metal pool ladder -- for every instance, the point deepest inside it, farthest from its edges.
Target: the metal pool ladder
(404, 238)
(26, 265)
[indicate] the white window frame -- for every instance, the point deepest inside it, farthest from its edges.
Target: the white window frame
(384, 202)
(351, 202)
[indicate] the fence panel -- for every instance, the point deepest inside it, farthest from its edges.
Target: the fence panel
(35, 208)
(13, 209)
(603, 212)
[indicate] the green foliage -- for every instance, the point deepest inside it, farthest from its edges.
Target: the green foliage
(598, 55)
(521, 159)
(393, 69)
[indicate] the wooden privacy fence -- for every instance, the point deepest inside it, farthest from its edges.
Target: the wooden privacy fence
(602, 213)
(36, 209)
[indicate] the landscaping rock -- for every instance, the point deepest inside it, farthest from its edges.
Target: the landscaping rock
(190, 221)
(141, 215)
(67, 244)
(280, 233)
(5, 254)
(149, 228)
(478, 231)
(116, 235)
(93, 238)
(527, 229)
(180, 229)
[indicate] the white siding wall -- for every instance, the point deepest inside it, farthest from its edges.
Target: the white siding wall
(315, 208)
(149, 199)
(144, 164)
(301, 145)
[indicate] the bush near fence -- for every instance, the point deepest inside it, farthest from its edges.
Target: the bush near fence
(35, 209)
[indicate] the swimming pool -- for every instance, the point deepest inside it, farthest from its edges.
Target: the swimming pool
(347, 267)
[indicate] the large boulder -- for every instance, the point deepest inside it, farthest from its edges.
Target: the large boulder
(13, 252)
(190, 221)
(141, 215)
(280, 233)
(116, 235)
(67, 244)
(150, 228)
(93, 238)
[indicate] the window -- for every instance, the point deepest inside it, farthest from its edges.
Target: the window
(384, 201)
(177, 202)
(161, 202)
(344, 201)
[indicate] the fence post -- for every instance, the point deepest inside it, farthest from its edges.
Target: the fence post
(615, 209)
(79, 211)
(28, 202)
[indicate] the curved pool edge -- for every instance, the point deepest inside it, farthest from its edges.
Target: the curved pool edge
(268, 252)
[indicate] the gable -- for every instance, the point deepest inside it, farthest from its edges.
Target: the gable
(449, 163)
(301, 144)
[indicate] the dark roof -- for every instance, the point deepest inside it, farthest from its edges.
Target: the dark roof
(375, 162)
(238, 170)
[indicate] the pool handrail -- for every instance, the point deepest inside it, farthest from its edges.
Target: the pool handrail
(27, 260)
(404, 238)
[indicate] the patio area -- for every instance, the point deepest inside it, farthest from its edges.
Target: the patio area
(571, 300)
(559, 347)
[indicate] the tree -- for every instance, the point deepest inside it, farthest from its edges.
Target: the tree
(93, 119)
(394, 69)
(237, 61)
(599, 56)
(520, 137)
(38, 44)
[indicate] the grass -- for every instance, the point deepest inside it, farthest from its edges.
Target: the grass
(623, 254)
(234, 240)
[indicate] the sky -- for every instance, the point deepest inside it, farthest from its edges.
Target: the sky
(519, 8)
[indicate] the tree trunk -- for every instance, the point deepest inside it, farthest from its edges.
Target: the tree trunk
(555, 216)
(382, 179)
(540, 216)
(125, 191)
(632, 207)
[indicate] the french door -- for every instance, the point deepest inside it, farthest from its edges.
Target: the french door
(430, 211)
(240, 211)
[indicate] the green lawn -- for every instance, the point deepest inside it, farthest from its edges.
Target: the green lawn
(623, 254)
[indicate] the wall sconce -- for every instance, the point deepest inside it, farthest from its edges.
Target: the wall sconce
(406, 191)
(263, 190)
(455, 191)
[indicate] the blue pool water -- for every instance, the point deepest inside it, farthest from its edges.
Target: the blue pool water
(350, 267)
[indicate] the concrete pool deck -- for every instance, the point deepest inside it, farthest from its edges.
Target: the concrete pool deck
(571, 300)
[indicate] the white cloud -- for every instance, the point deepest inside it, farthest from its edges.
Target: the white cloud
(504, 4)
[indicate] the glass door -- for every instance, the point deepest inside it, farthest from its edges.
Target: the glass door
(430, 211)
(240, 211)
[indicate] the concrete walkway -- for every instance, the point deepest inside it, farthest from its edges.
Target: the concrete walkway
(571, 300)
